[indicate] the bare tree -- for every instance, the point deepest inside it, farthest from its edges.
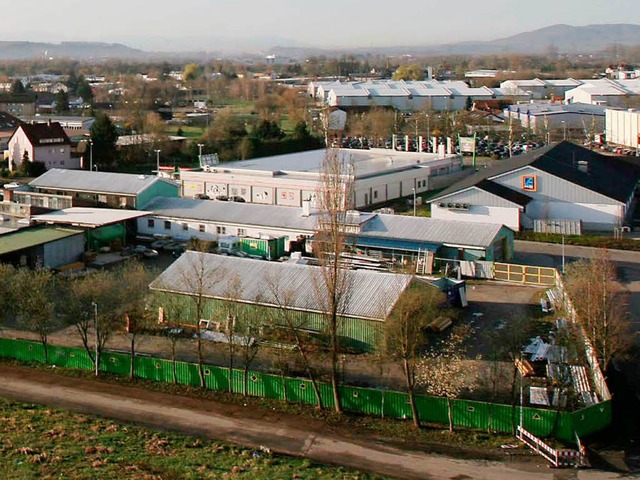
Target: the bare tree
(445, 372)
(599, 302)
(234, 310)
(171, 316)
(416, 309)
(198, 277)
(34, 294)
(285, 316)
(335, 196)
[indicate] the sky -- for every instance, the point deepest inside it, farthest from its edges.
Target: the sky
(189, 25)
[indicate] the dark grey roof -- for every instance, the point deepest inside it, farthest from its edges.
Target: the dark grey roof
(98, 182)
(612, 177)
(372, 295)
(504, 192)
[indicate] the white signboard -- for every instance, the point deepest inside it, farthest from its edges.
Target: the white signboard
(467, 144)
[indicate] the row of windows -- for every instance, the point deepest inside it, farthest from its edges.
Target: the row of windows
(201, 228)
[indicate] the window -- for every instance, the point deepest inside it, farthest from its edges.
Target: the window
(375, 194)
(201, 228)
(102, 198)
(151, 223)
(167, 225)
(185, 226)
(221, 230)
(242, 231)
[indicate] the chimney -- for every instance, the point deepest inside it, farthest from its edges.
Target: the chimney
(306, 207)
(420, 140)
(49, 123)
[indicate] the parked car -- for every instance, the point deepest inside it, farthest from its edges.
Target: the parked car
(202, 196)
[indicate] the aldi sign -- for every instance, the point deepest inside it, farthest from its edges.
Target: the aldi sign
(529, 183)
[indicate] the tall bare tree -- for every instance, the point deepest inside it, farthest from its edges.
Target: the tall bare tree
(333, 289)
(198, 277)
(405, 330)
(599, 302)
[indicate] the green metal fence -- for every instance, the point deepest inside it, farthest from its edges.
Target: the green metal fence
(381, 403)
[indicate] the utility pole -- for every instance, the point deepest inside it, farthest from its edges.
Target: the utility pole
(90, 155)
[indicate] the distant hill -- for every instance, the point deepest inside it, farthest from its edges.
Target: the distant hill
(563, 38)
(74, 50)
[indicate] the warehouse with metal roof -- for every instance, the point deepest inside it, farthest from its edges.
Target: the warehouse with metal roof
(42, 247)
(396, 237)
(263, 289)
(105, 189)
(556, 184)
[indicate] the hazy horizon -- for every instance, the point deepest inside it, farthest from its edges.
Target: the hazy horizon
(242, 24)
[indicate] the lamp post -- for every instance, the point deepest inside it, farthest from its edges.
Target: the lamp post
(158, 162)
(414, 201)
(428, 131)
(200, 145)
(95, 322)
(90, 154)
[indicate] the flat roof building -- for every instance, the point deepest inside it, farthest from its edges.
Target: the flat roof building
(379, 175)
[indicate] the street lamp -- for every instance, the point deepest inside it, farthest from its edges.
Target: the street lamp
(95, 321)
(90, 155)
(414, 201)
(158, 162)
(200, 145)
(428, 132)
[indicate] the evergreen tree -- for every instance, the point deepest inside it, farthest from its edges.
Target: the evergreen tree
(104, 136)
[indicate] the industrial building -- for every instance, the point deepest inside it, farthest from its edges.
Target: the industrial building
(42, 247)
(623, 127)
(557, 183)
(404, 95)
(557, 119)
(379, 175)
(104, 189)
(252, 289)
(395, 237)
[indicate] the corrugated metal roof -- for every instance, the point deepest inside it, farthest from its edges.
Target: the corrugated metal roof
(99, 182)
(398, 227)
(27, 238)
(372, 295)
(233, 213)
(431, 230)
(89, 217)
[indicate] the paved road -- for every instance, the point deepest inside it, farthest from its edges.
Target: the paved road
(253, 429)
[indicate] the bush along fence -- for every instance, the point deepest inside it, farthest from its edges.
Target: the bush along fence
(380, 403)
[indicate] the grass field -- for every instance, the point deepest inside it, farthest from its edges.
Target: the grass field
(40, 442)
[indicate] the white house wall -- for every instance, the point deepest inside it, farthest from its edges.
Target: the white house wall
(509, 216)
(484, 207)
(185, 229)
(593, 216)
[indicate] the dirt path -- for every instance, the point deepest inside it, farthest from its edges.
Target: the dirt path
(253, 428)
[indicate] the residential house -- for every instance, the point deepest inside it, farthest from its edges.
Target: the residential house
(46, 143)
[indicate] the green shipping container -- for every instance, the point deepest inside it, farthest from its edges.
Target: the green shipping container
(268, 248)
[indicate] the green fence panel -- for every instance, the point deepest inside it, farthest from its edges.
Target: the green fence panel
(361, 400)
(470, 414)
(541, 423)
(300, 391)
(430, 409)
(326, 394)
(27, 351)
(395, 404)
(188, 374)
(154, 369)
(272, 386)
(502, 418)
(116, 363)
(592, 419)
(237, 378)
(217, 378)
